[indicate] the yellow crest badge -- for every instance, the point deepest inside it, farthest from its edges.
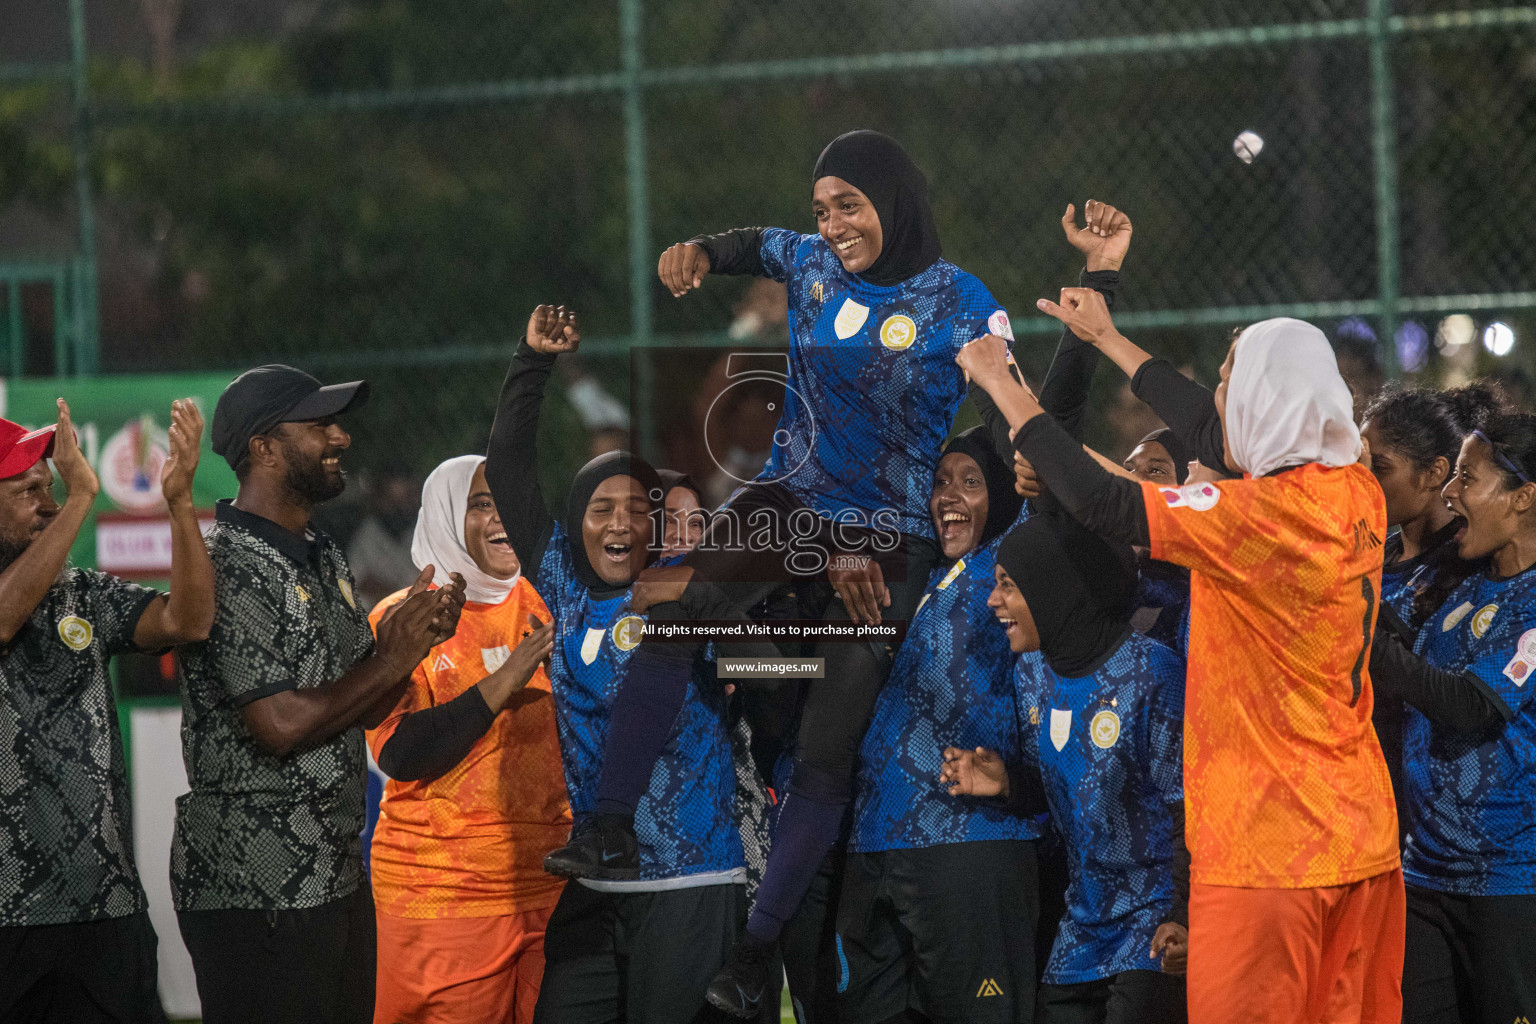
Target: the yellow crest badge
(627, 632)
(346, 592)
(898, 332)
(75, 632)
(1483, 619)
(1105, 729)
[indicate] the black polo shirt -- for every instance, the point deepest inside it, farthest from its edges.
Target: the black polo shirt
(259, 832)
(66, 835)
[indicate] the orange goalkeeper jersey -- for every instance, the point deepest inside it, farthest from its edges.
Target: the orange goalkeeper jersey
(1285, 783)
(471, 843)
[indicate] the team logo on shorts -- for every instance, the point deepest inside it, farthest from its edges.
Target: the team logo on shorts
(1455, 617)
(817, 291)
(1200, 497)
(998, 324)
(627, 632)
(989, 987)
(75, 632)
(303, 594)
(1061, 727)
(1034, 716)
(849, 319)
(346, 592)
(1520, 666)
(1105, 729)
(1483, 619)
(898, 332)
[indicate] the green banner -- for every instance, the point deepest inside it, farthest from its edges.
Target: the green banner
(122, 423)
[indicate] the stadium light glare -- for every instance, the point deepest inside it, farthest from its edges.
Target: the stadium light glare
(1455, 333)
(1499, 338)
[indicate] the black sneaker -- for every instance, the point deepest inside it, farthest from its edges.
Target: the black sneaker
(738, 988)
(602, 847)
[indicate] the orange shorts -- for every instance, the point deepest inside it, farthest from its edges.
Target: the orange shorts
(458, 969)
(1297, 956)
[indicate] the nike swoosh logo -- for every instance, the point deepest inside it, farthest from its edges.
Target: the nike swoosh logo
(609, 858)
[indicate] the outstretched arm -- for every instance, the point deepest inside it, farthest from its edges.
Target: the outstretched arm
(1103, 241)
(511, 459)
(186, 613)
(1458, 701)
(1109, 505)
(1187, 407)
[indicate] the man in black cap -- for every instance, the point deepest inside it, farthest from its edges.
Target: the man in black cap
(266, 864)
(76, 944)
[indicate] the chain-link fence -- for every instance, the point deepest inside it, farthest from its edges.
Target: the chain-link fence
(388, 188)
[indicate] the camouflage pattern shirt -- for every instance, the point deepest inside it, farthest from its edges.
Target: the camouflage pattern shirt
(66, 836)
(259, 832)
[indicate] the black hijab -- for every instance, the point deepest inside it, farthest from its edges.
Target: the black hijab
(671, 478)
(1078, 588)
(1175, 449)
(876, 165)
(588, 479)
(1003, 502)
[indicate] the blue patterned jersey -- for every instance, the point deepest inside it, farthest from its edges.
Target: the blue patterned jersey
(1471, 800)
(951, 684)
(1109, 747)
(1400, 587)
(873, 386)
(686, 820)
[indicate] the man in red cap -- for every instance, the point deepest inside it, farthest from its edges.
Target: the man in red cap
(76, 943)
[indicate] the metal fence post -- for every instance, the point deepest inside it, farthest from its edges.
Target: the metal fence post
(631, 26)
(1384, 154)
(87, 347)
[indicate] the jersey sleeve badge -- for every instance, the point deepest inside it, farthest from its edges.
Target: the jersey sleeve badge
(998, 324)
(1200, 497)
(1521, 665)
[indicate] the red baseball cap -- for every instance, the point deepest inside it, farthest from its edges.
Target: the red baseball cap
(20, 450)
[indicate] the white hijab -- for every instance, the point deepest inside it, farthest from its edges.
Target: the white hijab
(439, 539)
(1286, 403)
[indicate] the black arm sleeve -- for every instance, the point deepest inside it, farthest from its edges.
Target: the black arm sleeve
(1458, 701)
(1189, 409)
(1179, 912)
(738, 251)
(1064, 393)
(430, 742)
(512, 460)
(1111, 506)
(1026, 792)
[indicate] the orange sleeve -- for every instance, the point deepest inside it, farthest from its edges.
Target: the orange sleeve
(417, 695)
(1202, 526)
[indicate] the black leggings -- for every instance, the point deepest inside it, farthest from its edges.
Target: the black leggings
(763, 542)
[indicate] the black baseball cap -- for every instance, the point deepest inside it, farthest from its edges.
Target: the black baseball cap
(260, 399)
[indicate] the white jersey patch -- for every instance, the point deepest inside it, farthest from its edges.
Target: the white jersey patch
(1061, 727)
(849, 319)
(998, 324)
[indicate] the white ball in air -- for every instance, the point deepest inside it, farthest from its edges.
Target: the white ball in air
(1247, 146)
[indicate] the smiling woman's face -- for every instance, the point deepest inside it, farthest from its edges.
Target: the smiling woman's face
(616, 529)
(958, 504)
(848, 221)
(1012, 611)
(484, 538)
